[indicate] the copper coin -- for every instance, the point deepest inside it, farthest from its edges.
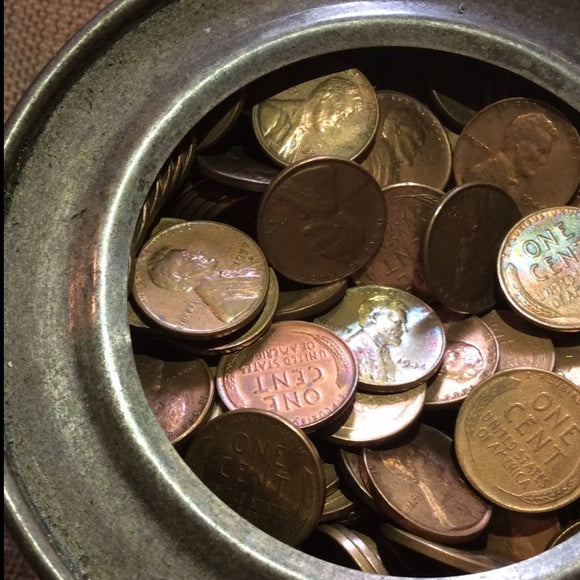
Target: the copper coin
(264, 468)
(567, 533)
(461, 244)
(471, 355)
(321, 220)
(180, 393)
(526, 147)
(397, 339)
(518, 536)
(410, 207)
(417, 484)
(376, 418)
(201, 279)
(236, 167)
(243, 337)
(567, 362)
(358, 547)
(349, 466)
(309, 301)
(520, 344)
(297, 369)
(218, 122)
(334, 114)
(410, 145)
(517, 439)
(466, 560)
(539, 268)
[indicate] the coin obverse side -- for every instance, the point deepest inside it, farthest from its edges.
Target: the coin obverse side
(298, 369)
(264, 468)
(397, 339)
(335, 114)
(201, 279)
(411, 144)
(461, 243)
(517, 440)
(539, 268)
(524, 146)
(417, 484)
(180, 393)
(321, 219)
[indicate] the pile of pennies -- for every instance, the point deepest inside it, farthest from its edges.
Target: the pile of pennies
(355, 308)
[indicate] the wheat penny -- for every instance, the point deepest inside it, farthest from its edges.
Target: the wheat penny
(264, 468)
(538, 267)
(517, 439)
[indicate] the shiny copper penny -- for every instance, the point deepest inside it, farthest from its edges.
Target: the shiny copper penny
(201, 279)
(410, 145)
(376, 418)
(471, 355)
(297, 369)
(524, 146)
(520, 343)
(180, 393)
(321, 219)
(397, 339)
(333, 114)
(308, 301)
(410, 207)
(243, 337)
(539, 268)
(517, 439)
(466, 560)
(417, 484)
(461, 244)
(264, 468)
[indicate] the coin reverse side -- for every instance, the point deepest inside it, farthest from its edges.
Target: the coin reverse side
(539, 268)
(517, 439)
(264, 468)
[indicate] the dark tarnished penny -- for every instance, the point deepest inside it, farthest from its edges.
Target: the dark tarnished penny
(471, 355)
(520, 343)
(466, 560)
(298, 369)
(461, 244)
(417, 484)
(236, 167)
(264, 468)
(526, 147)
(335, 114)
(201, 279)
(376, 418)
(309, 301)
(567, 533)
(410, 207)
(517, 439)
(180, 393)
(349, 466)
(539, 268)
(397, 339)
(321, 219)
(410, 145)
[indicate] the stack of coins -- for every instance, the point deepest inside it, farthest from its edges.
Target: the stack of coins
(355, 311)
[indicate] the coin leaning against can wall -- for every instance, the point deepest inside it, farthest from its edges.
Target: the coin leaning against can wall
(264, 468)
